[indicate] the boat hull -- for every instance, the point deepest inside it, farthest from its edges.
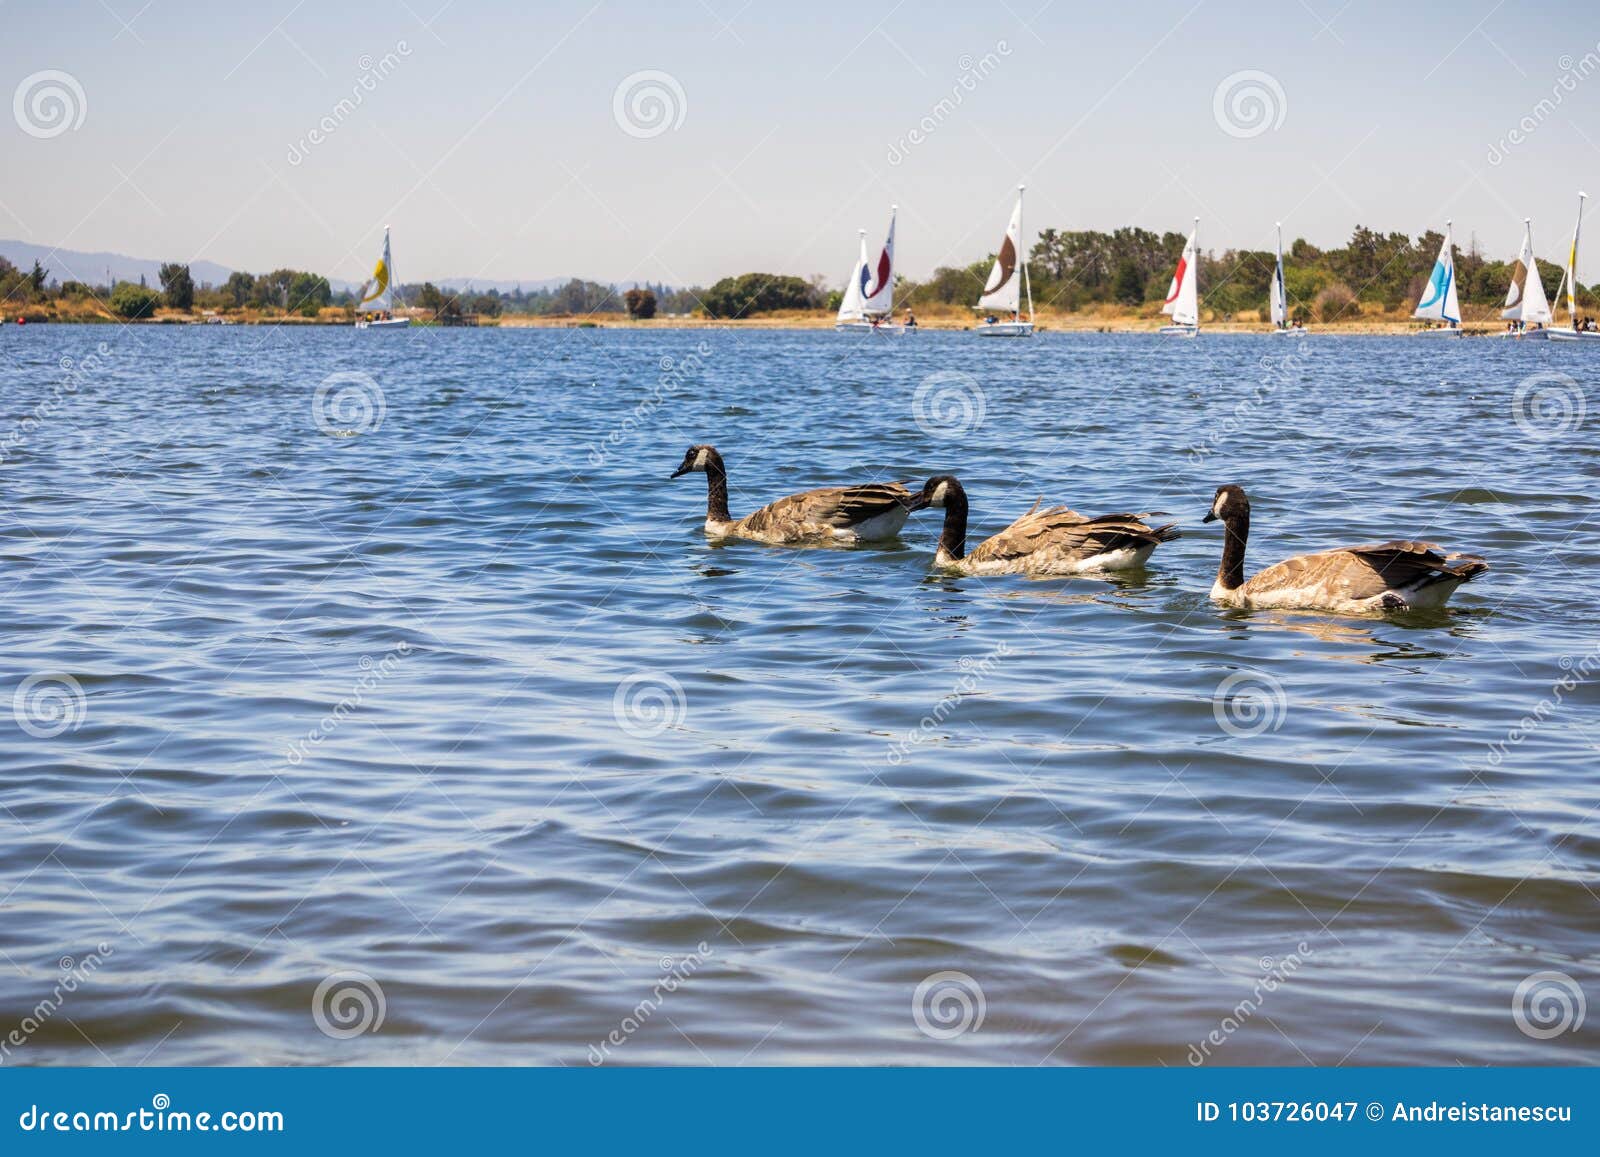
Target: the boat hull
(385, 323)
(1574, 335)
(1006, 329)
(1447, 332)
(1179, 331)
(890, 328)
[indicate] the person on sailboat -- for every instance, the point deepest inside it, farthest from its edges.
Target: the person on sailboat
(911, 319)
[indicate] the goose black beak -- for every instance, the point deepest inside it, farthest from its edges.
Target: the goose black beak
(680, 472)
(1211, 516)
(917, 502)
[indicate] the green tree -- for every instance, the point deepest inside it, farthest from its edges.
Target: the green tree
(752, 293)
(641, 303)
(177, 286)
(308, 293)
(36, 278)
(133, 301)
(429, 298)
(240, 288)
(1130, 282)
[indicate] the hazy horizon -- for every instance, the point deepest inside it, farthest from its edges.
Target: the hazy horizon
(500, 142)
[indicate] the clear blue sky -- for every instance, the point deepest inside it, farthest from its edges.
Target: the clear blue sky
(493, 149)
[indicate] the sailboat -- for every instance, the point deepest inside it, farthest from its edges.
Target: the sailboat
(1004, 290)
(1439, 302)
(1278, 297)
(377, 295)
(1569, 283)
(1183, 295)
(1525, 303)
(869, 298)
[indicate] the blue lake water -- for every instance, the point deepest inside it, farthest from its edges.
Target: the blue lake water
(376, 698)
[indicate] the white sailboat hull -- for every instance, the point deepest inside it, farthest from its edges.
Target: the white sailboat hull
(1005, 329)
(1452, 331)
(1179, 330)
(1570, 335)
(1289, 332)
(887, 327)
(385, 323)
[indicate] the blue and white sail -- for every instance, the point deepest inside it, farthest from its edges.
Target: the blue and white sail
(1439, 301)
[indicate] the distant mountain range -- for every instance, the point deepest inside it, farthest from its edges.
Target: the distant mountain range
(75, 265)
(90, 268)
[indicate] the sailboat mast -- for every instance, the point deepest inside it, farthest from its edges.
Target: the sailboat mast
(1195, 237)
(1572, 264)
(1022, 232)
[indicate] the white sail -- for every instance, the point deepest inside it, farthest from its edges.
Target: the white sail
(877, 288)
(1183, 295)
(1003, 291)
(378, 293)
(1439, 301)
(1279, 304)
(1525, 300)
(850, 307)
(1535, 308)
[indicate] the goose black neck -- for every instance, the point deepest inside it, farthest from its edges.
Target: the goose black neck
(1236, 530)
(716, 490)
(953, 538)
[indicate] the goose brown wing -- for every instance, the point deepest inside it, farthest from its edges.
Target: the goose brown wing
(835, 506)
(1364, 572)
(1064, 530)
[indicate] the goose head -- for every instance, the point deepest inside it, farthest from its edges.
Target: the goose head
(1231, 502)
(939, 491)
(697, 458)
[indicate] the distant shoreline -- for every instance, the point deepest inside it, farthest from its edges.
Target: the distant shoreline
(1373, 327)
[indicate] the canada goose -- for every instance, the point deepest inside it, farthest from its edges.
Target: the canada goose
(1359, 580)
(1056, 541)
(838, 514)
